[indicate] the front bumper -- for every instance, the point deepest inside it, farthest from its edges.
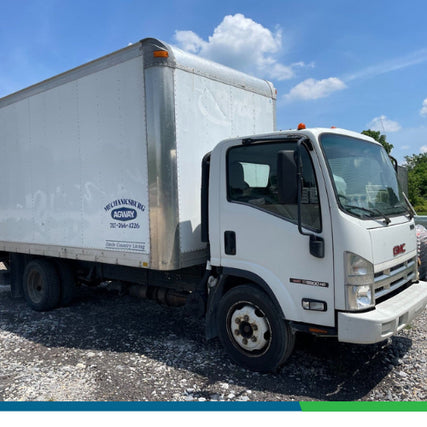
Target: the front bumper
(386, 319)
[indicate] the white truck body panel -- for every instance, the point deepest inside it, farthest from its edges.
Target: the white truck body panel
(212, 110)
(102, 163)
(64, 159)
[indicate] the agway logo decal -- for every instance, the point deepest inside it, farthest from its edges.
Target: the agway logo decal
(126, 225)
(124, 202)
(124, 212)
(399, 249)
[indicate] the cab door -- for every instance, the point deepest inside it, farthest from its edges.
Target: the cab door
(259, 235)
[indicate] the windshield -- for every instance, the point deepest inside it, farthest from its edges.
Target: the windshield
(365, 181)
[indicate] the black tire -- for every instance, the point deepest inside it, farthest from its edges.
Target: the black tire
(41, 285)
(252, 330)
(67, 283)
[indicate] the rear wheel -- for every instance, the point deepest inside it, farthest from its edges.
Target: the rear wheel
(252, 330)
(41, 285)
(67, 283)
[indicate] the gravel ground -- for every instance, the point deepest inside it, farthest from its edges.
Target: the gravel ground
(110, 348)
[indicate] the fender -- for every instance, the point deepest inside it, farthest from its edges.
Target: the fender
(220, 288)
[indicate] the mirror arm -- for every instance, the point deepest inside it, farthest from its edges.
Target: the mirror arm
(300, 181)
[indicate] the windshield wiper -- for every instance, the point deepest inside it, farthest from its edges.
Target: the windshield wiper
(387, 220)
(410, 209)
(373, 211)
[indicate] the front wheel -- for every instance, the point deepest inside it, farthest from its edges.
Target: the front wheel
(252, 330)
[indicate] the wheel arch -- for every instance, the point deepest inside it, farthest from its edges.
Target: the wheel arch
(229, 279)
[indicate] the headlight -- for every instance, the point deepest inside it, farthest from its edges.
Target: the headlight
(359, 281)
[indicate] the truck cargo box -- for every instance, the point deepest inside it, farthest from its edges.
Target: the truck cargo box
(102, 163)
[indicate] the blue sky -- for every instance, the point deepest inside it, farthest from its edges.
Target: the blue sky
(356, 65)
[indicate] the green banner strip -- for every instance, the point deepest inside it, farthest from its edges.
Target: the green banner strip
(363, 406)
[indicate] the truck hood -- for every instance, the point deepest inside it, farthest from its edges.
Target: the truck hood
(393, 243)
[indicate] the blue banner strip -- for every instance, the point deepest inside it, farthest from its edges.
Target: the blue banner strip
(149, 406)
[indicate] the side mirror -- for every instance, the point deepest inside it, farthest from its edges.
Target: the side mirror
(287, 177)
(394, 163)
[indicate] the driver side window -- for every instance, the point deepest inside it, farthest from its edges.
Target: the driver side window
(252, 180)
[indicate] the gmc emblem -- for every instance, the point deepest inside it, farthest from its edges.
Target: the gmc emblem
(399, 249)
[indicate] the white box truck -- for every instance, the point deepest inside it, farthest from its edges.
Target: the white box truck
(115, 171)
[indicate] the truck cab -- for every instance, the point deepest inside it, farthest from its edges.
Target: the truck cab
(314, 222)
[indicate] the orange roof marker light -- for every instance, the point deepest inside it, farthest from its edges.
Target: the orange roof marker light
(161, 54)
(301, 126)
(333, 127)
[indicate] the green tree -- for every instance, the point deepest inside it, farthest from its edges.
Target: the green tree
(417, 181)
(380, 138)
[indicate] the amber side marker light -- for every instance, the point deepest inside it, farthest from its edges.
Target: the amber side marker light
(161, 54)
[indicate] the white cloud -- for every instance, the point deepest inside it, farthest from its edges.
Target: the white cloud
(189, 41)
(383, 124)
(423, 149)
(423, 110)
(314, 89)
(241, 43)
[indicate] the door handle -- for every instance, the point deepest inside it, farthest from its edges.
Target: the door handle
(230, 242)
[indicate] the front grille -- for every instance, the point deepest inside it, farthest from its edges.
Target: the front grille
(389, 280)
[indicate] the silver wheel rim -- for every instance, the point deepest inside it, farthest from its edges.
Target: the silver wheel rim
(249, 328)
